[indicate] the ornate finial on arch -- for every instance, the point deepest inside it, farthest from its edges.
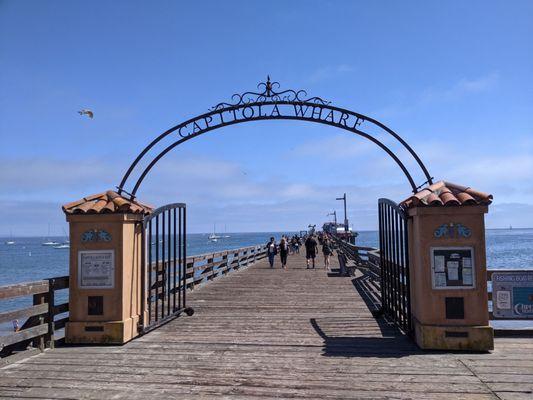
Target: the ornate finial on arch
(268, 86)
(269, 94)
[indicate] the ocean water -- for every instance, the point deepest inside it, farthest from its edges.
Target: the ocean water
(27, 260)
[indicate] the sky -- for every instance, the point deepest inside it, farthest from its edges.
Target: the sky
(453, 78)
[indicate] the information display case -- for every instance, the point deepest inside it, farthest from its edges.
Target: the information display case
(452, 268)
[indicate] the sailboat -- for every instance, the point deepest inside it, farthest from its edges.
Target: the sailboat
(10, 241)
(226, 232)
(65, 244)
(214, 237)
(49, 242)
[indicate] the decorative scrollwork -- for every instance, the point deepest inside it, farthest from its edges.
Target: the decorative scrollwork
(269, 94)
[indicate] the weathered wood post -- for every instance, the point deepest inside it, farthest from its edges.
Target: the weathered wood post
(449, 300)
(105, 268)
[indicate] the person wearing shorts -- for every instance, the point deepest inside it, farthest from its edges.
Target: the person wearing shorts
(327, 252)
(311, 247)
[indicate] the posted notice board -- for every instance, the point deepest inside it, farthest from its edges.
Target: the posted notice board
(96, 269)
(452, 268)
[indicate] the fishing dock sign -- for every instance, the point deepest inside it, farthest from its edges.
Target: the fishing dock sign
(512, 294)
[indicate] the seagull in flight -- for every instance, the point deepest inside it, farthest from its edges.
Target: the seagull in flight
(86, 112)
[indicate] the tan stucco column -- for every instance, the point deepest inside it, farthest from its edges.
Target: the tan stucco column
(105, 269)
(449, 299)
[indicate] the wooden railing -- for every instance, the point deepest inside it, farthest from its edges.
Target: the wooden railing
(204, 268)
(39, 325)
(362, 257)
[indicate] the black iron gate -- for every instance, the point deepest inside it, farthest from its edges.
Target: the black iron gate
(163, 277)
(394, 263)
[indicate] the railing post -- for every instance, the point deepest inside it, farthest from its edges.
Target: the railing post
(50, 337)
(39, 299)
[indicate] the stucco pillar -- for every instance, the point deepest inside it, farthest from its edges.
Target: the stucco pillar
(105, 269)
(449, 300)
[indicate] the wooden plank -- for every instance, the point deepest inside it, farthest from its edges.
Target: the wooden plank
(28, 312)
(60, 282)
(23, 335)
(61, 308)
(23, 289)
(60, 323)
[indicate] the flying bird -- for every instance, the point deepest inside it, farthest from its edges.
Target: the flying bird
(86, 112)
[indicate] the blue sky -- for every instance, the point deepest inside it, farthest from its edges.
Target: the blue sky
(453, 78)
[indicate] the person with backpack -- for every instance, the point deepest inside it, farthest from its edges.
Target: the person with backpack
(272, 250)
(311, 247)
(283, 251)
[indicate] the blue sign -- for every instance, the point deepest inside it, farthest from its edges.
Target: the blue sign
(512, 294)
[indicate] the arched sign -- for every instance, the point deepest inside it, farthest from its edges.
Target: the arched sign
(269, 104)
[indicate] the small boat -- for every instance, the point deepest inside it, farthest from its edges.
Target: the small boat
(49, 242)
(10, 241)
(214, 237)
(226, 233)
(63, 246)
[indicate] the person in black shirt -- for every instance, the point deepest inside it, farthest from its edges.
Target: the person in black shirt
(272, 250)
(283, 251)
(311, 247)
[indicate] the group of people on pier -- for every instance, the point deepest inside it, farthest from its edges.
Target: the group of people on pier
(292, 245)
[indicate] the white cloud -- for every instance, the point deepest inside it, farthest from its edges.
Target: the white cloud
(328, 72)
(439, 94)
(461, 88)
(334, 147)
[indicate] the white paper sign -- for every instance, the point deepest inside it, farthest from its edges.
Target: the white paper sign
(96, 269)
(439, 263)
(467, 276)
(453, 270)
(440, 279)
(467, 262)
(503, 299)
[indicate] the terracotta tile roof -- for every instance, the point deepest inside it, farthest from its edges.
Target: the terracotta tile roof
(444, 193)
(106, 203)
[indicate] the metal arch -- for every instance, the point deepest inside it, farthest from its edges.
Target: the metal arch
(270, 97)
(283, 117)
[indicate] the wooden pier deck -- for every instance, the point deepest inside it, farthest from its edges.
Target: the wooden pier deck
(261, 333)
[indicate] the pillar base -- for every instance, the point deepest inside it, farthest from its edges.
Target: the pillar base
(457, 337)
(110, 332)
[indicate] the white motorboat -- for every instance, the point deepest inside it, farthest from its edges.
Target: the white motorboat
(63, 246)
(50, 243)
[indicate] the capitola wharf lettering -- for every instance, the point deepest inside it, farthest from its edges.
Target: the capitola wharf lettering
(272, 110)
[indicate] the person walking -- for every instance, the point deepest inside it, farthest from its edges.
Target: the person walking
(272, 250)
(283, 251)
(311, 247)
(294, 244)
(327, 252)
